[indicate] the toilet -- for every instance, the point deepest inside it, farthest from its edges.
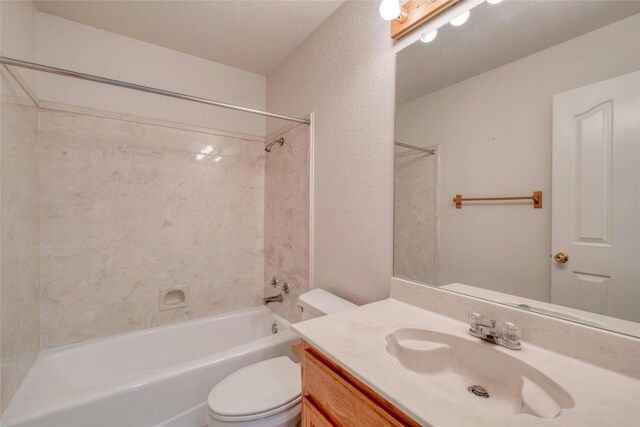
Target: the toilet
(267, 393)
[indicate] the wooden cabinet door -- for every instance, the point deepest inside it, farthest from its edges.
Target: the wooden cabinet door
(311, 417)
(333, 397)
(342, 403)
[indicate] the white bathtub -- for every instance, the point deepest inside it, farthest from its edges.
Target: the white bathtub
(156, 377)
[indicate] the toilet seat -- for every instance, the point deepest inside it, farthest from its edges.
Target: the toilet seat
(257, 391)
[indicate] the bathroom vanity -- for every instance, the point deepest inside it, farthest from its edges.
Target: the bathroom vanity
(331, 395)
(409, 360)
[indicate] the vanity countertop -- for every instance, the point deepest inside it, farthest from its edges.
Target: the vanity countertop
(355, 339)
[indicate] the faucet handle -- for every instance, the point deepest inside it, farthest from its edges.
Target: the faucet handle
(274, 282)
(511, 332)
(510, 336)
(474, 320)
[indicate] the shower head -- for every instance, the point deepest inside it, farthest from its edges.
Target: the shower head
(272, 143)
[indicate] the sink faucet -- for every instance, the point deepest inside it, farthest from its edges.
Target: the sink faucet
(509, 338)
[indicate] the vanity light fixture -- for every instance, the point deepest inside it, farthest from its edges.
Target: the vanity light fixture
(429, 37)
(391, 9)
(494, 1)
(413, 14)
(460, 19)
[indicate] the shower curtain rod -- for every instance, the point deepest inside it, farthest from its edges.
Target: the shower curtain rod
(68, 73)
(413, 147)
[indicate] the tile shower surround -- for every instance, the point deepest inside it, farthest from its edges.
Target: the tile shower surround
(121, 208)
(20, 285)
(129, 208)
(286, 219)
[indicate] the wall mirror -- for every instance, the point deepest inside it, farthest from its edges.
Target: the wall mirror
(526, 96)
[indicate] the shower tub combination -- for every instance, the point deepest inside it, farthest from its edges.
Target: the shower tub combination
(156, 377)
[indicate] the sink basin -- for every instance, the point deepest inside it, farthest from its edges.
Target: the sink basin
(455, 365)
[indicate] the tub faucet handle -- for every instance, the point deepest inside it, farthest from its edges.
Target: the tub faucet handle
(274, 282)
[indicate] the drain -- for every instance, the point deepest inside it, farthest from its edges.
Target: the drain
(274, 328)
(479, 391)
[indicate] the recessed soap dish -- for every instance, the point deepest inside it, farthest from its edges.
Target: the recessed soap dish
(174, 297)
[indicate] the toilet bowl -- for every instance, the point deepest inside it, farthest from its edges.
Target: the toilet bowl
(268, 393)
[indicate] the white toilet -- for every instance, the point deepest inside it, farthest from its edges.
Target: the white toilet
(267, 393)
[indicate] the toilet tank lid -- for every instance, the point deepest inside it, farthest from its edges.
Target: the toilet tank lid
(322, 302)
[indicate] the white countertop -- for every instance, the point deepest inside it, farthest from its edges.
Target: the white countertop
(355, 339)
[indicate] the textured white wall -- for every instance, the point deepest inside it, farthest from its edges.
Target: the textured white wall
(67, 44)
(494, 136)
(344, 72)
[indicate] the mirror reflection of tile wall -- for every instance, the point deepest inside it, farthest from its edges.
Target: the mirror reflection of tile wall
(415, 209)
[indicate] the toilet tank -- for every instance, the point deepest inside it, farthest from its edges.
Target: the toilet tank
(319, 302)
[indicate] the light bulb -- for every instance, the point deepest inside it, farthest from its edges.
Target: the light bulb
(460, 19)
(390, 9)
(429, 37)
(494, 1)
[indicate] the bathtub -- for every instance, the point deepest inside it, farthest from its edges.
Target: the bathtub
(156, 377)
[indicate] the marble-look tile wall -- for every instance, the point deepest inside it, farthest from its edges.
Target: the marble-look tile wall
(128, 209)
(286, 218)
(19, 241)
(415, 216)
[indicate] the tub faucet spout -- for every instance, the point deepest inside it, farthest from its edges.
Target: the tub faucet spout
(269, 300)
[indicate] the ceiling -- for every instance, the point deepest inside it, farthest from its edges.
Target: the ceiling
(496, 35)
(255, 36)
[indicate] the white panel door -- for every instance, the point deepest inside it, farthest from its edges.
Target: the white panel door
(596, 198)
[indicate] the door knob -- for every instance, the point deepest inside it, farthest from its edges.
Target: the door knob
(561, 257)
